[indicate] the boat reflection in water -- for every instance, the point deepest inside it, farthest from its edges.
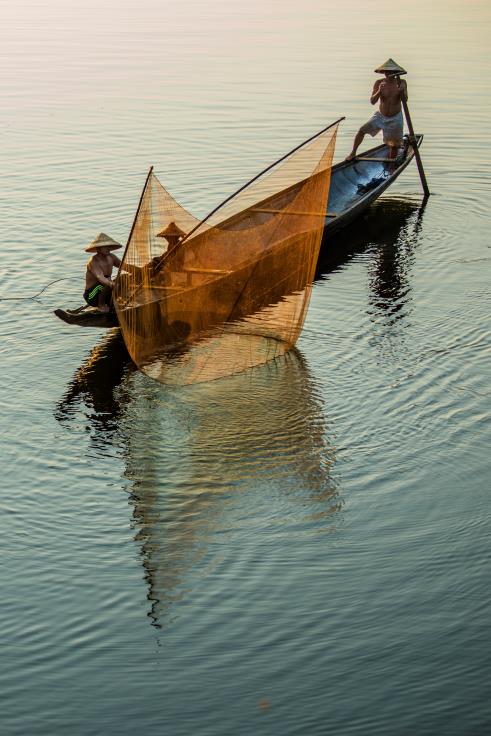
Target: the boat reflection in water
(383, 225)
(392, 258)
(98, 385)
(387, 235)
(223, 460)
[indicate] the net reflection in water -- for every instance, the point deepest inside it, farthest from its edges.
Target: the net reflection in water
(254, 451)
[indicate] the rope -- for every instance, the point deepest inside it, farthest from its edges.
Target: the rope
(26, 298)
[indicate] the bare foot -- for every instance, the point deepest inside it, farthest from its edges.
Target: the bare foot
(104, 308)
(350, 157)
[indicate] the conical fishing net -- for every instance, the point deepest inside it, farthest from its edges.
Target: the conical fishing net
(200, 300)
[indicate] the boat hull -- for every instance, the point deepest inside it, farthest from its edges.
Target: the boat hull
(84, 317)
(354, 186)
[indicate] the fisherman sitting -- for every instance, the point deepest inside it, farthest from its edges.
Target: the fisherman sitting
(173, 234)
(98, 283)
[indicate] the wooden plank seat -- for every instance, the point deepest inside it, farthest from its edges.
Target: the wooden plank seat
(376, 160)
(156, 287)
(292, 212)
(215, 271)
(192, 270)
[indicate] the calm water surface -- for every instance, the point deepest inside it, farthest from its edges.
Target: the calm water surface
(301, 549)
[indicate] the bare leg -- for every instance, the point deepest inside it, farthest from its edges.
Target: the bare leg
(393, 150)
(394, 147)
(102, 305)
(358, 139)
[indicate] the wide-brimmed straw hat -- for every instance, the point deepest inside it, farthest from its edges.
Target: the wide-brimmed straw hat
(102, 241)
(390, 66)
(172, 229)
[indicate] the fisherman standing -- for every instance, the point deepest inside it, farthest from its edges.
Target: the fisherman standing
(388, 92)
(98, 283)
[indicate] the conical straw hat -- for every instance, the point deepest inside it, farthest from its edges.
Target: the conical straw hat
(171, 229)
(102, 241)
(390, 66)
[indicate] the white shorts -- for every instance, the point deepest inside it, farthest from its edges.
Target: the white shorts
(392, 127)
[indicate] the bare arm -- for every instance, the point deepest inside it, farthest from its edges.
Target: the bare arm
(130, 268)
(376, 92)
(403, 89)
(127, 266)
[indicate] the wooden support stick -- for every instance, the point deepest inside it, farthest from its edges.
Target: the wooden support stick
(412, 140)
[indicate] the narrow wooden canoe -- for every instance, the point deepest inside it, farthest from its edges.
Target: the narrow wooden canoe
(87, 317)
(355, 184)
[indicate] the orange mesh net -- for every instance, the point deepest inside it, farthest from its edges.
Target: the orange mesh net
(199, 300)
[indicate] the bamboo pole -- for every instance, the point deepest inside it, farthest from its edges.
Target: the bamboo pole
(412, 140)
(257, 176)
(132, 229)
(136, 215)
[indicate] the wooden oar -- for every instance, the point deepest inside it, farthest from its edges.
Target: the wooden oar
(412, 139)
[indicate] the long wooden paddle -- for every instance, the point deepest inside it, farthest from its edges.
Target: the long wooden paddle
(412, 139)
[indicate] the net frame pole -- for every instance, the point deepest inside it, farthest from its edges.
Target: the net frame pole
(135, 219)
(257, 176)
